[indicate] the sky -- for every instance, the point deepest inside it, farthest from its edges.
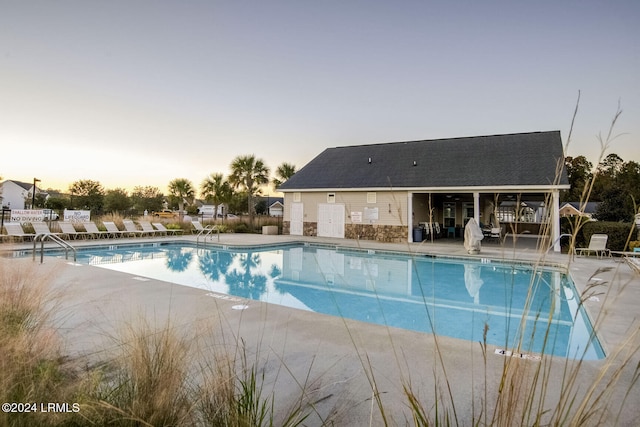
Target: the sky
(137, 93)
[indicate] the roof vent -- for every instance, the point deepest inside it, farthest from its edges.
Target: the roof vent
(369, 160)
(415, 163)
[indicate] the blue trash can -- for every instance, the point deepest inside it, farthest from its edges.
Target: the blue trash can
(417, 234)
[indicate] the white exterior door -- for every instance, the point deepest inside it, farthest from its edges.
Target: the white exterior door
(297, 218)
(330, 220)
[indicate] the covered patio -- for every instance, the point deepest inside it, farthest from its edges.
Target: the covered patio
(444, 214)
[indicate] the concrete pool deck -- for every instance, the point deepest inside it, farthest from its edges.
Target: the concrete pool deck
(340, 356)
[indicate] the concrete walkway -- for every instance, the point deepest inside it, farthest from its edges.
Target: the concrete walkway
(345, 363)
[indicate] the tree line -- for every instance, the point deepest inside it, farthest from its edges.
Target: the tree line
(614, 184)
(238, 190)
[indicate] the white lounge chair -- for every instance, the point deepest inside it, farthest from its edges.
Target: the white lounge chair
(70, 231)
(171, 231)
(130, 226)
(114, 231)
(93, 231)
(15, 231)
(148, 228)
(597, 244)
(199, 228)
(41, 227)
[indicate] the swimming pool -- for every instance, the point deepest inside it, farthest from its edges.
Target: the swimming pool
(452, 297)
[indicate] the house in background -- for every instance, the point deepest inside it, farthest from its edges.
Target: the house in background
(17, 194)
(276, 208)
(570, 209)
(269, 205)
(382, 191)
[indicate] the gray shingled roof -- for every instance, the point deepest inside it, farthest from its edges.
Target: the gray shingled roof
(589, 208)
(25, 185)
(525, 159)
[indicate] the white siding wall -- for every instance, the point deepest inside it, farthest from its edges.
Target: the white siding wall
(392, 205)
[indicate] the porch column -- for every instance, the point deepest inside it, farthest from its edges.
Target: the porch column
(410, 216)
(555, 220)
(476, 207)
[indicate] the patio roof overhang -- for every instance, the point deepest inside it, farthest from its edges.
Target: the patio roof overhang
(466, 189)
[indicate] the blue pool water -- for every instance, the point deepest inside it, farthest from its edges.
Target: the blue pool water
(456, 298)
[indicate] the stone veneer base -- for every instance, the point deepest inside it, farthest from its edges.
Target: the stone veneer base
(381, 233)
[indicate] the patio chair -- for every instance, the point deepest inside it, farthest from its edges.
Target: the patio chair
(114, 231)
(633, 263)
(93, 231)
(147, 228)
(131, 228)
(41, 227)
(597, 244)
(495, 233)
(199, 228)
(70, 231)
(167, 231)
(15, 231)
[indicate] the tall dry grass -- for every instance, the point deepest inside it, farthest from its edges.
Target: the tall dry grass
(114, 217)
(150, 374)
(167, 375)
(33, 366)
(145, 381)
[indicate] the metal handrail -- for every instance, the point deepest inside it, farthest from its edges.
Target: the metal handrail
(206, 231)
(47, 236)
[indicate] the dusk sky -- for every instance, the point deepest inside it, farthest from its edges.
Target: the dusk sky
(141, 92)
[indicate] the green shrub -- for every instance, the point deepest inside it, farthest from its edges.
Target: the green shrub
(222, 228)
(569, 225)
(241, 227)
(618, 233)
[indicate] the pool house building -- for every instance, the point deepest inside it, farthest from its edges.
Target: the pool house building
(387, 192)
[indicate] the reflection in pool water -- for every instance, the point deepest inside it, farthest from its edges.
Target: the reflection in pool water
(455, 298)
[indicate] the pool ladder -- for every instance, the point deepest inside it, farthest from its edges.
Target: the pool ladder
(46, 236)
(206, 231)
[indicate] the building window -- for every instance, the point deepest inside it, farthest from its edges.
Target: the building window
(371, 197)
(449, 214)
(467, 212)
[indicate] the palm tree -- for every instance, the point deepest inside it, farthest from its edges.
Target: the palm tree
(249, 173)
(182, 190)
(215, 189)
(216, 264)
(247, 281)
(283, 173)
(178, 259)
